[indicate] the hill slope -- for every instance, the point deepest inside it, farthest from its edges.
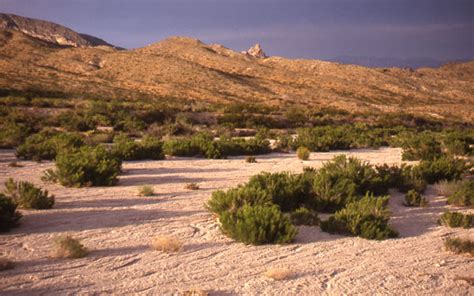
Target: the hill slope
(185, 68)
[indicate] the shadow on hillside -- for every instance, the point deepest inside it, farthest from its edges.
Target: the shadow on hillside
(60, 221)
(415, 221)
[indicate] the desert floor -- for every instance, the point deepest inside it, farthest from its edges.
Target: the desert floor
(117, 225)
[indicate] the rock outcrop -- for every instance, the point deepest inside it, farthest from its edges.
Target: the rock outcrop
(49, 32)
(256, 51)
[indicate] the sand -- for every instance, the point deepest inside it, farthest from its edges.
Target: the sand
(117, 226)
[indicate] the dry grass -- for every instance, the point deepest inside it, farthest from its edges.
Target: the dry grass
(192, 186)
(146, 191)
(445, 188)
(6, 264)
(67, 247)
(459, 246)
(169, 244)
(279, 273)
(195, 292)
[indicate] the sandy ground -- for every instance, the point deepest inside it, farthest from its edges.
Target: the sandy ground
(117, 226)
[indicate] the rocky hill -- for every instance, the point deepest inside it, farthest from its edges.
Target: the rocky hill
(185, 68)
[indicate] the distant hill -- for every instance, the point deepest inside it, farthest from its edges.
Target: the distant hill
(388, 62)
(49, 32)
(187, 69)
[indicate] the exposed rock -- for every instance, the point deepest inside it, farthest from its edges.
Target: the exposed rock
(256, 51)
(49, 32)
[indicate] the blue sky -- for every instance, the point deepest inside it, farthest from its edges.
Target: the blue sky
(320, 29)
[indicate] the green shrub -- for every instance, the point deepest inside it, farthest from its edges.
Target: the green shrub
(367, 218)
(415, 199)
(9, 216)
(422, 146)
(288, 191)
(235, 198)
(442, 168)
(304, 216)
(12, 134)
(28, 196)
(455, 219)
(128, 149)
(332, 192)
(463, 195)
(258, 225)
(303, 153)
(459, 246)
(47, 144)
(146, 191)
(87, 166)
(412, 179)
(391, 175)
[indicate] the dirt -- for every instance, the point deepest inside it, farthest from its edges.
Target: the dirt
(117, 226)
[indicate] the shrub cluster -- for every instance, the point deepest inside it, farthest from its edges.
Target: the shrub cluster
(367, 217)
(304, 216)
(27, 196)
(463, 194)
(414, 199)
(455, 219)
(459, 246)
(127, 149)
(86, 166)
(9, 216)
(47, 144)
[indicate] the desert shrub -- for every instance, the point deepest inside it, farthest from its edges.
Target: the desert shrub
(323, 138)
(391, 175)
(146, 191)
(67, 247)
(9, 216)
(414, 199)
(367, 218)
(441, 168)
(96, 138)
(304, 216)
(128, 149)
(235, 198)
(12, 134)
(303, 153)
(332, 192)
(421, 146)
(75, 122)
(87, 166)
(258, 225)
(47, 144)
(167, 244)
(181, 147)
(459, 246)
(455, 219)
(27, 196)
(458, 142)
(250, 159)
(412, 179)
(192, 186)
(463, 194)
(6, 264)
(288, 191)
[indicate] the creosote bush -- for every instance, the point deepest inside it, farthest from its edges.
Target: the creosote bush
(258, 225)
(367, 218)
(455, 219)
(463, 193)
(9, 216)
(303, 153)
(415, 199)
(304, 216)
(47, 144)
(87, 166)
(459, 246)
(169, 244)
(27, 196)
(67, 247)
(146, 191)
(128, 149)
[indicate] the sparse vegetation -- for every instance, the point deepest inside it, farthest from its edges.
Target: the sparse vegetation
(462, 193)
(192, 186)
(250, 159)
(65, 246)
(146, 191)
(414, 199)
(456, 219)
(304, 216)
(459, 245)
(28, 196)
(168, 244)
(9, 216)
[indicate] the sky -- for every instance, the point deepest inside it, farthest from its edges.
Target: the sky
(315, 29)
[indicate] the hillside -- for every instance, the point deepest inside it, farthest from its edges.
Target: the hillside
(185, 68)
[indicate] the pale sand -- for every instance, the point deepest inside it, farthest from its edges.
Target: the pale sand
(118, 226)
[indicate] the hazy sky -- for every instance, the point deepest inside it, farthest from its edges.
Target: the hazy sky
(322, 29)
